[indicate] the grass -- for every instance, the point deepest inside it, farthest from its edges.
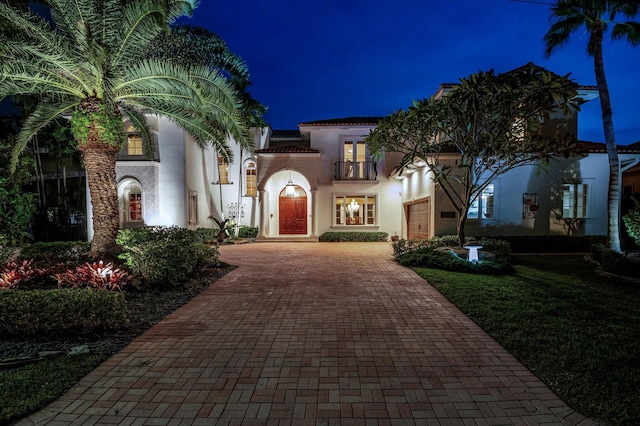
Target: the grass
(577, 331)
(24, 390)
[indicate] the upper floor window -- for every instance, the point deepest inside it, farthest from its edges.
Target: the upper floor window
(134, 142)
(482, 206)
(575, 200)
(251, 182)
(355, 210)
(355, 163)
(223, 170)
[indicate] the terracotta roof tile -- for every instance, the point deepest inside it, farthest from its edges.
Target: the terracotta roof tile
(286, 134)
(289, 149)
(353, 121)
(599, 147)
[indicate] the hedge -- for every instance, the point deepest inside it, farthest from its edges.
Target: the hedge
(353, 236)
(60, 312)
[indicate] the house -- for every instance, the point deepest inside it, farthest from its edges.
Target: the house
(297, 184)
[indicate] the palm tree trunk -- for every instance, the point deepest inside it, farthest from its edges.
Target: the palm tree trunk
(613, 231)
(100, 164)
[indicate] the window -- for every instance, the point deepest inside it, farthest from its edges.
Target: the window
(134, 142)
(574, 200)
(354, 155)
(223, 170)
(251, 187)
(482, 206)
(193, 207)
(355, 210)
(135, 207)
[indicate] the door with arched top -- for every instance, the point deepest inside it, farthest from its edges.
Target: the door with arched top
(293, 212)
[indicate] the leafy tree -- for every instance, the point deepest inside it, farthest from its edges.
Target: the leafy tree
(484, 127)
(17, 206)
(567, 17)
(91, 62)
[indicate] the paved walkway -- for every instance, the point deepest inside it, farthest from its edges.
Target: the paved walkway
(312, 334)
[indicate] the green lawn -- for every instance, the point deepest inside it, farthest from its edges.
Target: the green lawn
(576, 330)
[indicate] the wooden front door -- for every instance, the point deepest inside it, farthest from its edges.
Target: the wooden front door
(418, 221)
(293, 215)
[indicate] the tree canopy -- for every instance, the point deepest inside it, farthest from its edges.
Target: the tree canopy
(596, 16)
(484, 126)
(91, 61)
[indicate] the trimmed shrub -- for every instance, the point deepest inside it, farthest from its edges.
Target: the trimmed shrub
(449, 261)
(247, 232)
(60, 312)
(495, 246)
(56, 251)
(207, 235)
(632, 221)
(550, 243)
(616, 263)
(361, 236)
(162, 255)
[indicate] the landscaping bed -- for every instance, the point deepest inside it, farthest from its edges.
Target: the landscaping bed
(28, 388)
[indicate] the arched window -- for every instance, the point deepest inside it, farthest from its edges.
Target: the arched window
(131, 202)
(251, 179)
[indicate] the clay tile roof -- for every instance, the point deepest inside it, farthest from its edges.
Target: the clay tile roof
(289, 149)
(599, 147)
(286, 134)
(353, 121)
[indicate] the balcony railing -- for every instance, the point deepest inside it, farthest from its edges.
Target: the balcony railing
(360, 170)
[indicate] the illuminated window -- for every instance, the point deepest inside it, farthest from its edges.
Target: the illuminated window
(135, 207)
(354, 155)
(355, 210)
(251, 182)
(482, 206)
(193, 207)
(134, 142)
(223, 170)
(574, 200)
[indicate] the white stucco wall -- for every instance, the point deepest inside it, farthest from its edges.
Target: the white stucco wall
(508, 198)
(172, 175)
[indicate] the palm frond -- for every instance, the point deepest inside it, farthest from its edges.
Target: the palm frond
(45, 113)
(629, 31)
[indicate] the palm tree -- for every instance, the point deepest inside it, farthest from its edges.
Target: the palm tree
(90, 62)
(596, 15)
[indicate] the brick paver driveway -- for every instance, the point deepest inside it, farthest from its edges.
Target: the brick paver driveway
(317, 334)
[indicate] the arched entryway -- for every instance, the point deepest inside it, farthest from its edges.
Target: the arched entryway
(292, 211)
(131, 203)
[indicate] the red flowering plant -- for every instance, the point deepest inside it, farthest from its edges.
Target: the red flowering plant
(95, 275)
(14, 274)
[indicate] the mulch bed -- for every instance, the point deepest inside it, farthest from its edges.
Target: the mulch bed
(145, 308)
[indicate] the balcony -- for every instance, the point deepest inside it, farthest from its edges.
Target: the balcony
(358, 171)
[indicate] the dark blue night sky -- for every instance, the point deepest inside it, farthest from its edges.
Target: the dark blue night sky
(318, 59)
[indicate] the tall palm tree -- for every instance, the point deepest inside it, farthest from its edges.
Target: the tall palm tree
(90, 61)
(567, 16)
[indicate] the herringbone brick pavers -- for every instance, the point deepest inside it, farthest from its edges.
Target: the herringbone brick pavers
(312, 334)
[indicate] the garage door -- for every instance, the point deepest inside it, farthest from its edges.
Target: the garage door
(418, 220)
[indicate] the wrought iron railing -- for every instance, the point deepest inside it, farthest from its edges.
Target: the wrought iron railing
(360, 170)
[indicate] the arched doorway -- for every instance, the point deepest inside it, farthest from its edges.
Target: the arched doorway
(292, 211)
